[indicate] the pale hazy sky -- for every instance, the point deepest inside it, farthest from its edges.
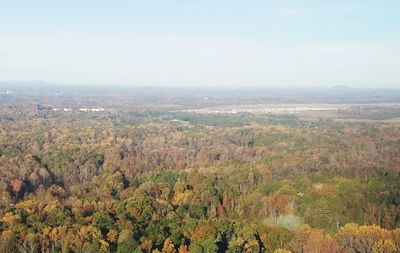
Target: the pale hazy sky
(207, 42)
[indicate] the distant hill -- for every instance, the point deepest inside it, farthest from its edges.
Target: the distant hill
(341, 87)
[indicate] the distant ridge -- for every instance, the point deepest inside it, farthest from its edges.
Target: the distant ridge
(341, 87)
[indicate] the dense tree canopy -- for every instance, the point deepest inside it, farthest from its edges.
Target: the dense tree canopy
(73, 182)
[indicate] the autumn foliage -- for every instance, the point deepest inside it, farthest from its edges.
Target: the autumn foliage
(107, 182)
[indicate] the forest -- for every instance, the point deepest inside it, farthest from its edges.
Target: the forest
(161, 180)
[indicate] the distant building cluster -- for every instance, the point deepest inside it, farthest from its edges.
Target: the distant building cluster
(263, 110)
(80, 109)
(7, 92)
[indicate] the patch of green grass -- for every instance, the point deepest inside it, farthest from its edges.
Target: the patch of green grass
(286, 221)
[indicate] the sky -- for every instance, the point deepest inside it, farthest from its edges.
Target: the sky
(228, 43)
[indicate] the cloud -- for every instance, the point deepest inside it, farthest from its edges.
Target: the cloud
(333, 9)
(294, 12)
